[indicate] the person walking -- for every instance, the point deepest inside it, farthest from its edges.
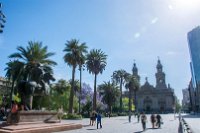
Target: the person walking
(99, 120)
(143, 120)
(153, 120)
(159, 118)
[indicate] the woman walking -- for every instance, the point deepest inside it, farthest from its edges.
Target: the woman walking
(143, 120)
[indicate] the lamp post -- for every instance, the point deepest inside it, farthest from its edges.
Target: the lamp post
(2, 19)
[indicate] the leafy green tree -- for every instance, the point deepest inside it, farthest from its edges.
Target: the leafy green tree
(119, 77)
(59, 96)
(36, 61)
(126, 104)
(109, 92)
(96, 63)
(132, 85)
(73, 56)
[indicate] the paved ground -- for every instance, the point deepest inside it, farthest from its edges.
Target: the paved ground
(193, 122)
(121, 125)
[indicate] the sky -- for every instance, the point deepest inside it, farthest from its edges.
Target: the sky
(126, 30)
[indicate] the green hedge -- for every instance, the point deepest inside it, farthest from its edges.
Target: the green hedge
(122, 114)
(72, 116)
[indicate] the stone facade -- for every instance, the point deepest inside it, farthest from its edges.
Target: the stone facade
(156, 99)
(5, 86)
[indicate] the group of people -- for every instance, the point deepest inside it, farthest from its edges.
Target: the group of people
(95, 117)
(156, 120)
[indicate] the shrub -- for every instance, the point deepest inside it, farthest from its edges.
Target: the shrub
(122, 114)
(72, 116)
(113, 115)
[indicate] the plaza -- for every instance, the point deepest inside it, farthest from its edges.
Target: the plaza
(65, 64)
(121, 125)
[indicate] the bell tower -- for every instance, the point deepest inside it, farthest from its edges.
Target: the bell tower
(135, 71)
(160, 76)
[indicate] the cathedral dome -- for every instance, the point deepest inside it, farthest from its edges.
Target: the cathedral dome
(146, 85)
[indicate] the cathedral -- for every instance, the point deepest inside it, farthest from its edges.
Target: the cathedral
(158, 99)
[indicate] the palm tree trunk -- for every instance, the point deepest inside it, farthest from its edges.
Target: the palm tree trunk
(129, 105)
(71, 97)
(11, 93)
(135, 102)
(80, 93)
(110, 109)
(121, 94)
(95, 94)
(129, 101)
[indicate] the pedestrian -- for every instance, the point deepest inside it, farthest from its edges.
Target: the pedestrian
(138, 117)
(91, 119)
(13, 116)
(129, 116)
(153, 120)
(99, 120)
(159, 119)
(143, 120)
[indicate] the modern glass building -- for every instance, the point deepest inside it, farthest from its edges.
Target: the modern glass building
(194, 47)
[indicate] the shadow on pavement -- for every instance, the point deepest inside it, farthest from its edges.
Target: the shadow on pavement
(190, 116)
(126, 122)
(91, 129)
(153, 128)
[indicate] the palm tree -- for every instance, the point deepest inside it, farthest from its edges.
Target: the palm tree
(81, 62)
(96, 63)
(119, 77)
(110, 93)
(73, 55)
(34, 57)
(13, 72)
(132, 84)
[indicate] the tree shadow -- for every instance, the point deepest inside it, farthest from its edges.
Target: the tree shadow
(126, 122)
(91, 129)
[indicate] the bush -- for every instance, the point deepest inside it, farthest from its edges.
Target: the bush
(122, 114)
(72, 116)
(113, 115)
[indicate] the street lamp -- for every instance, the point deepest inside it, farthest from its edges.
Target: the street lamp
(2, 19)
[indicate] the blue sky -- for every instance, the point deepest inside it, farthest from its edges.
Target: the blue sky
(126, 30)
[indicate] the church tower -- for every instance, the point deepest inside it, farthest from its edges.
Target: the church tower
(135, 71)
(160, 76)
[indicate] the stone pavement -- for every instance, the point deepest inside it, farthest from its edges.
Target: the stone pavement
(121, 125)
(193, 122)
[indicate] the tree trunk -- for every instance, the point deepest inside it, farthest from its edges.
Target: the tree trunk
(95, 94)
(80, 93)
(135, 101)
(110, 109)
(129, 101)
(121, 80)
(71, 97)
(129, 105)
(11, 93)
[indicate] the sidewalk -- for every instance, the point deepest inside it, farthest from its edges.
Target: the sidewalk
(193, 122)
